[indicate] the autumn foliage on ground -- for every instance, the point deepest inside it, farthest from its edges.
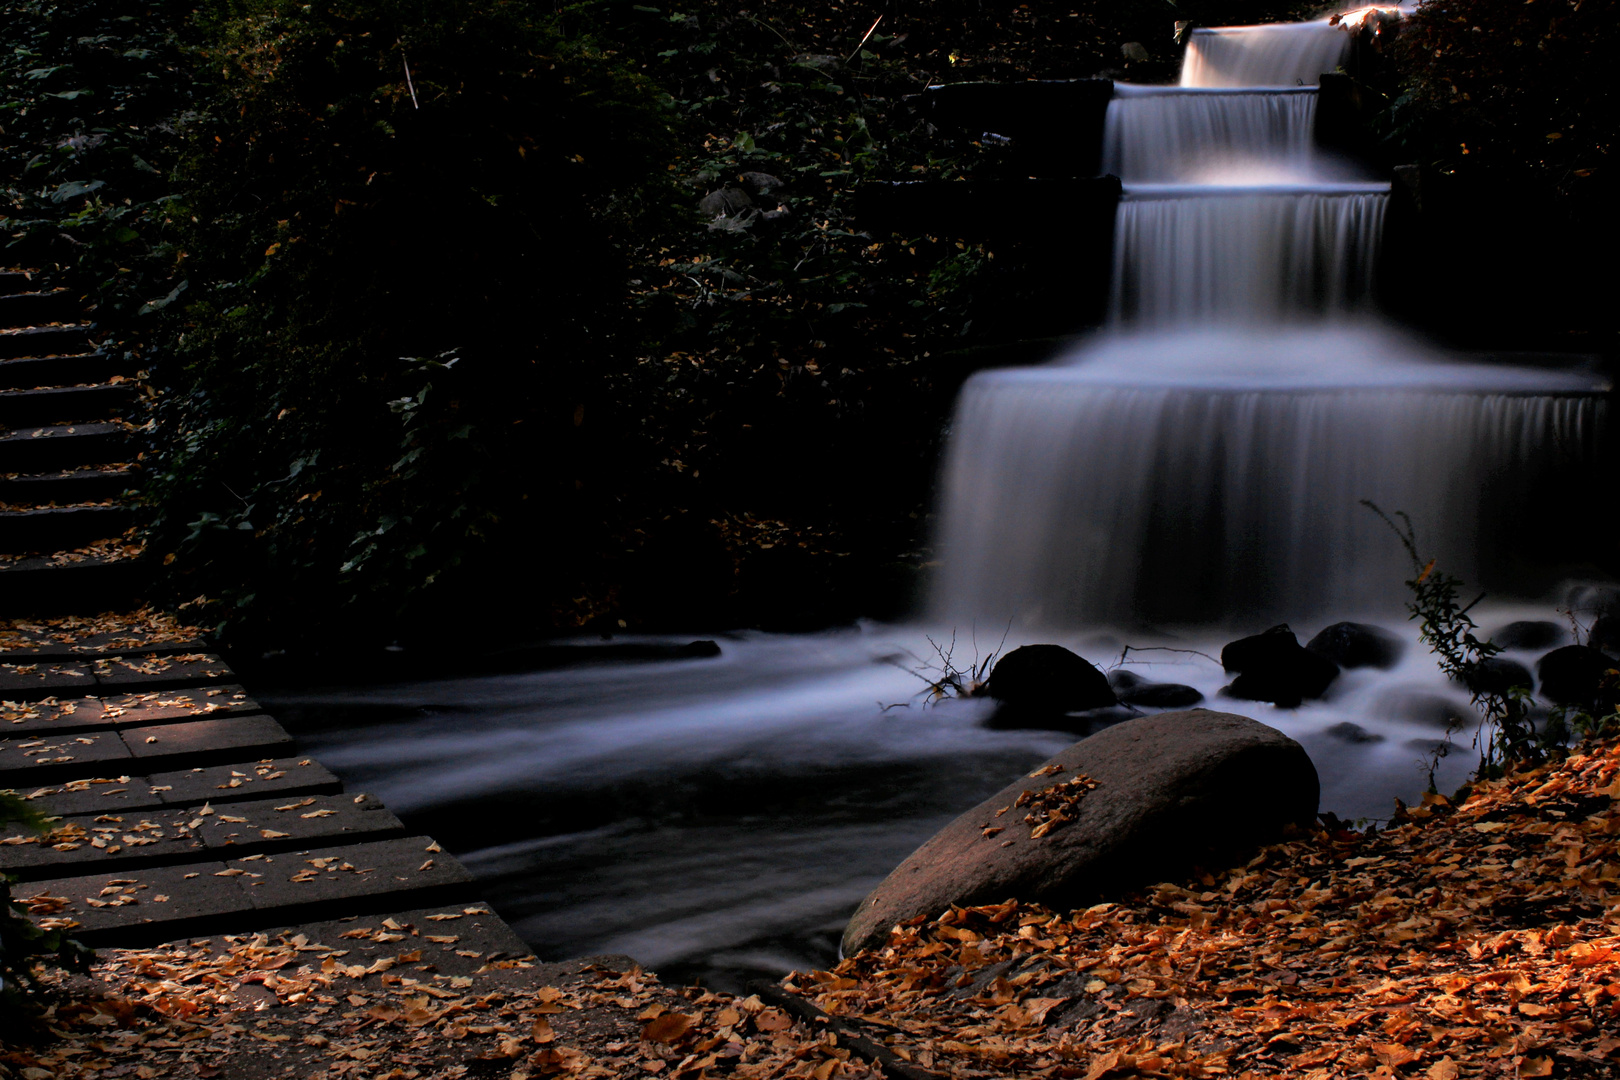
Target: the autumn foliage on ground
(1475, 937)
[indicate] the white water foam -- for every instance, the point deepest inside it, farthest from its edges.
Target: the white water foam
(1244, 254)
(1273, 54)
(1163, 134)
(1208, 476)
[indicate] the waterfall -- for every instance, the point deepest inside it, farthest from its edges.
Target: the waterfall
(1167, 134)
(1243, 254)
(1275, 54)
(1206, 459)
(1209, 476)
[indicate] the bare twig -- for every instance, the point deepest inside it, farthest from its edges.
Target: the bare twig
(868, 34)
(409, 85)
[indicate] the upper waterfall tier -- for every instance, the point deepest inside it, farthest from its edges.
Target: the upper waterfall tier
(1193, 254)
(1273, 54)
(1208, 475)
(1158, 134)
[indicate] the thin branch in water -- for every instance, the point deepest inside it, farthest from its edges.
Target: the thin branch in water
(1127, 650)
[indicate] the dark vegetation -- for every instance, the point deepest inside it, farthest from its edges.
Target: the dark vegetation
(25, 946)
(576, 325)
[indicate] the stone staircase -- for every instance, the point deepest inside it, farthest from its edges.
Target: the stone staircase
(67, 413)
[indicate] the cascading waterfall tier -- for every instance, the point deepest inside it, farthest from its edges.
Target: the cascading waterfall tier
(1274, 54)
(1206, 461)
(1214, 476)
(1244, 254)
(1166, 134)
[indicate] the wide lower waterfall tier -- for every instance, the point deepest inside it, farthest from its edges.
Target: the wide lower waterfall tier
(1274, 54)
(1173, 134)
(1187, 254)
(1209, 476)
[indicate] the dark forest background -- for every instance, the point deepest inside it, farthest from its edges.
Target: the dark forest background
(464, 319)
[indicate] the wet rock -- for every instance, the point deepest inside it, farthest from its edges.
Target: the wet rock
(1575, 675)
(1530, 634)
(1354, 734)
(1274, 667)
(1498, 675)
(729, 201)
(1605, 634)
(1431, 710)
(1173, 790)
(762, 183)
(1594, 600)
(1354, 645)
(1048, 679)
(1152, 695)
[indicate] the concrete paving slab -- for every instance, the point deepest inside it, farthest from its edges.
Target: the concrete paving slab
(44, 758)
(296, 821)
(452, 939)
(95, 795)
(122, 710)
(23, 645)
(141, 906)
(248, 780)
(206, 740)
(132, 673)
(33, 680)
(102, 843)
(385, 873)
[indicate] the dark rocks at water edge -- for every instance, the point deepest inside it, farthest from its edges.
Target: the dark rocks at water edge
(1172, 791)
(1355, 645)
(1354, 734)
(1577, 675)
(1605, 635)
(1529, 634)
(1274, 667)
(1039, 679)
(1132, 689)
(1498, 675)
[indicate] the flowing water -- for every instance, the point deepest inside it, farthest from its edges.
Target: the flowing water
(1194, 471)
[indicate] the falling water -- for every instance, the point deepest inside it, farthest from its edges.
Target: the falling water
(1166, 134)
(1216, 476)
(1205, 462)
(1244, 254)
(1276, 54)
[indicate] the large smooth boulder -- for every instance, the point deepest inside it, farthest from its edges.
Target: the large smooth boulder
(1048, 679)
(1574, 675)
(1354, 645)
(1173, 791)
(1275, 667)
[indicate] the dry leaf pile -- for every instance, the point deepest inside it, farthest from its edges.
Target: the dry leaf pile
(1470, 940)
(253, 1007)
(136, 629)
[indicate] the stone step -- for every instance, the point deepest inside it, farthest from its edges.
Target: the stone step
(90, 367)
(44, 341)
(1075, 214)
(58, 643)
(72, 404)
(54, 716)
(66, 488)
(32, 680)
(236, 782)
(1054, 127)
(62, 446)
(150, 905)
(37, 308)
(113, 842)
(57, 527)
(18, 281)
(469, 937)
(51, 585)
(43, 759)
